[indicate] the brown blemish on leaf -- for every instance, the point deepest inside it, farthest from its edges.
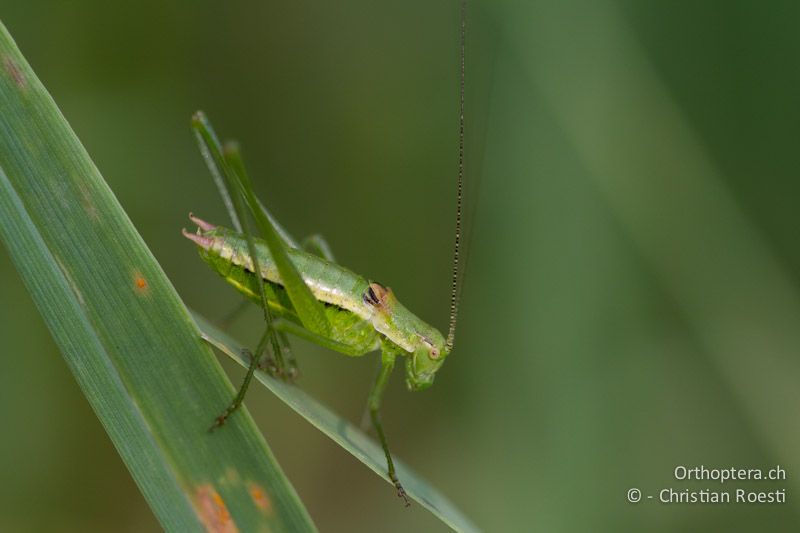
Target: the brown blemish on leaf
(260, 498)
(232, 476)
(70, 281)
(14, 71)
(212, 510)
(86, 202)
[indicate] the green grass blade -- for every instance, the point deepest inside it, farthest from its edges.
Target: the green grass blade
(228, 188)
(127, 337)
(345, 434)
(211, 150)
(309, 309)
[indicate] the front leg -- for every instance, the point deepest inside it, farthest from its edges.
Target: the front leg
(388, 356)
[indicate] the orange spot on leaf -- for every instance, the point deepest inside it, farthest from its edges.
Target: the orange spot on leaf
(140, 282)
(213, 511)
(260, 497)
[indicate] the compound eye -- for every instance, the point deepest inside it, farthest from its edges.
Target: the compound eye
(432, 350)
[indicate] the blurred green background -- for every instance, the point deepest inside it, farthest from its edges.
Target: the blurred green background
(631, 302)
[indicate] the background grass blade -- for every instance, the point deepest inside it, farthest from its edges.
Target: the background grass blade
(345, 434)
(124, 332)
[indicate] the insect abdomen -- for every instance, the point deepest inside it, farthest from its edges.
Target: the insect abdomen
(347, 326)
(330, 283)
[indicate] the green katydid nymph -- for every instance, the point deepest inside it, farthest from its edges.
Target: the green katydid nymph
(364, 316)
(303, 292)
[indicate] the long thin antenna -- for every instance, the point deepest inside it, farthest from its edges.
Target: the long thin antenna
(454, 296)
